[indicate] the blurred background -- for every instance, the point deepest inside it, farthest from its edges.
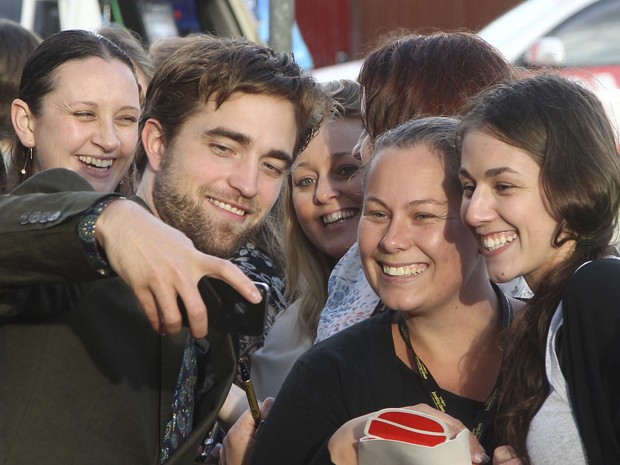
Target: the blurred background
(327, 31)
(579, 38)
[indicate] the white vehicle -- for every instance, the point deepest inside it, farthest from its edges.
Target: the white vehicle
(520, 28)
(45, 17)
(578, 38)
(348, 70)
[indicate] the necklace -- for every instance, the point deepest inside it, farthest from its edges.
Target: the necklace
(431, 388)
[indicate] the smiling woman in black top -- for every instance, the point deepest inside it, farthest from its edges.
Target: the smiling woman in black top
(440, 310)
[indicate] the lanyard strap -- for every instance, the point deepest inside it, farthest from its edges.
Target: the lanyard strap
(431, 388)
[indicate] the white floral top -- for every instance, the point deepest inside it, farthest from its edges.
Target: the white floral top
(350, 298)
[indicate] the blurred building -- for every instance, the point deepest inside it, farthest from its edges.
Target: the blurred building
(341, 30)
(326, 32)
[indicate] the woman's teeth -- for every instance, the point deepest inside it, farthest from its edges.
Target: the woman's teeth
(96, 162)
(495, 242)
(339, 215)
(408, 270)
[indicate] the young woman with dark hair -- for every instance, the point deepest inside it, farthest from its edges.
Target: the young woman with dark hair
(541, 178)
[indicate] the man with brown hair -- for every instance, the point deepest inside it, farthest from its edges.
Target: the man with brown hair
(101, 371)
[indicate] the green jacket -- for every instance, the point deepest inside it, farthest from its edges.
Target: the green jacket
(84, 379)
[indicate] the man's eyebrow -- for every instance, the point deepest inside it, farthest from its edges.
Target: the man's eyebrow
(245, 140)
(281, 155)
(235, 136)
(342, 154)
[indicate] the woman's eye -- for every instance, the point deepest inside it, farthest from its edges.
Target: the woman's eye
(348, 170)
(468, 191)
(376, 214)
(423, 216)
(502, 187)
(84, 114)
(304, 182)
(129, 119)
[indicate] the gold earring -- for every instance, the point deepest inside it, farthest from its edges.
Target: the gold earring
(29, 157)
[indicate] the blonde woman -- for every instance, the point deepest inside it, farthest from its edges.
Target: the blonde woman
(322, 205)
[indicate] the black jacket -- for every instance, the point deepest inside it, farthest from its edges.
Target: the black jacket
(590, 356)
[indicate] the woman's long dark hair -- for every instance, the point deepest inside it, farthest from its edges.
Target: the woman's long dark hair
(564, 128)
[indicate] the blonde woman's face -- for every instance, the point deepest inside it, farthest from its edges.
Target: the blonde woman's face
(327, 187)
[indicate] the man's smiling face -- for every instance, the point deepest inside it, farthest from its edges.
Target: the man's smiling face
(224, 170)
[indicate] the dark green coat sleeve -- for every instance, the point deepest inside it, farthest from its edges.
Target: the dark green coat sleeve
(38, 230)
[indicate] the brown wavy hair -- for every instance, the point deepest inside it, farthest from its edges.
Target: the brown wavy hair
(416, 75)
(218, 67)
(16, 44)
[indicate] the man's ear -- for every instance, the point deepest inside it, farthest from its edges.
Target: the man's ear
(23, 122)
(153, 142)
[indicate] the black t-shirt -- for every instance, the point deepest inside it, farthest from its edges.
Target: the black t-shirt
(350, 374)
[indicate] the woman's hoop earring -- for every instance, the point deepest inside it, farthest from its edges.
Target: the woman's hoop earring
(29, 157)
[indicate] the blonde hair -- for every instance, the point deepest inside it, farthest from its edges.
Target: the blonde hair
(307, 268)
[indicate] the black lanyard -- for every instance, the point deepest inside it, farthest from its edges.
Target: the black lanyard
(433, 391)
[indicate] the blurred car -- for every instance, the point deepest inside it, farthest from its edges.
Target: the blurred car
(578, 38)
(347, 70)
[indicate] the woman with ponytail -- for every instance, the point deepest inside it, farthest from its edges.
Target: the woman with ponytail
(541, 192)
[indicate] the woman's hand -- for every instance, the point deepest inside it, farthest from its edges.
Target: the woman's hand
(239, 442)
(506, 455)
(478, 454)
(344, 443)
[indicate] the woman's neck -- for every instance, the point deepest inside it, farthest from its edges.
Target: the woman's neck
(459, 345)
